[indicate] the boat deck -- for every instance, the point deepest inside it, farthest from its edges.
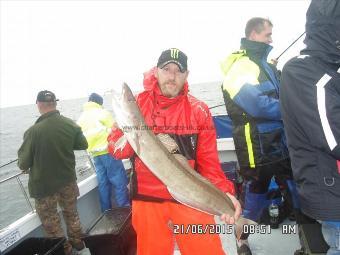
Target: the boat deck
(275, 243)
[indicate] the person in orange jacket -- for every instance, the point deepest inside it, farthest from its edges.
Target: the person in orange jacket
(169, 109)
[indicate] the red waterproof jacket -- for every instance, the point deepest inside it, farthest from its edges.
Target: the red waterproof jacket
(188, 121)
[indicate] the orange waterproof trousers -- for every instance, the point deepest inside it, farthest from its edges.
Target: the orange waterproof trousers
(158, 225)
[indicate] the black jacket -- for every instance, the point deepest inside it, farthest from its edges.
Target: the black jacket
(310, 105)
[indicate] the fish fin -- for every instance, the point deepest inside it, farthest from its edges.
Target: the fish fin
(121, 143)
(239, 226)
(183, 200)
(134, 142)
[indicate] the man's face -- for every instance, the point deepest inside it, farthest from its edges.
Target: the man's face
(171, 80)
(264, 36)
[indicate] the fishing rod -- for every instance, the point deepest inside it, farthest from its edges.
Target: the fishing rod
(290, 45)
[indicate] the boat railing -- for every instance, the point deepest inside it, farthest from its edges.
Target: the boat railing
(14, 198)
(22, 188)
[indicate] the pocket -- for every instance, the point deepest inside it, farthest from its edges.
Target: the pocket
(271, 142)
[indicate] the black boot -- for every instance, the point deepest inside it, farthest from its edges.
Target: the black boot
(243, 247)
(300, 252)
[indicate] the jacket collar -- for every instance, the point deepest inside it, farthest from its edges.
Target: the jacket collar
(258, 50)
(47, 115)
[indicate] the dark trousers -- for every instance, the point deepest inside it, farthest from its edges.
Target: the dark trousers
(256, 183)
(262, 175)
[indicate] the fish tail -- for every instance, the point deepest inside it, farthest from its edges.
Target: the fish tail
(239, 226)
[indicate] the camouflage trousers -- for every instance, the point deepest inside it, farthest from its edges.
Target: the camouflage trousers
(46, 208)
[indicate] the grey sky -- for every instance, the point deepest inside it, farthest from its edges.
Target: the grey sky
(77, 47)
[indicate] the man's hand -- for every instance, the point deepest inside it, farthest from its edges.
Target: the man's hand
(25, 171)
(274, 61)
(115, 125)
(232, 219)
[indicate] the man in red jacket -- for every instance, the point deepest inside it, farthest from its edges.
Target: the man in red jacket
(169, 109)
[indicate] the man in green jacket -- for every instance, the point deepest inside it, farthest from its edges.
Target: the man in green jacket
(47, 155)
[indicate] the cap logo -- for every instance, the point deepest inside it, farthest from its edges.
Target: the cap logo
(174, 53)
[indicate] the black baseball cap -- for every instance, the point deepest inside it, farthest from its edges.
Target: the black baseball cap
(46, 96)
(173, 55)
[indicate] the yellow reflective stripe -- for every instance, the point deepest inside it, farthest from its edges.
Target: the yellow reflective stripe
(249, 145)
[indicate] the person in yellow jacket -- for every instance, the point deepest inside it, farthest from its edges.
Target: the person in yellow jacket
(96, 123)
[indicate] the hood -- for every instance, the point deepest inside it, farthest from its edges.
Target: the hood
(230, 60)
(323, 31)
(150, 82)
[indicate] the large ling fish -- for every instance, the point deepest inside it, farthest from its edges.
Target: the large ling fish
(184, 183)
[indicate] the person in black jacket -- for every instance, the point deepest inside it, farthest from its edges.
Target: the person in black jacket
(310, 105)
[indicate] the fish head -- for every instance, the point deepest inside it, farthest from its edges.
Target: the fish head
(127, 94)
(126, 111)
(128, 116)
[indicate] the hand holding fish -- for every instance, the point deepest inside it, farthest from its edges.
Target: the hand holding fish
(232, 219)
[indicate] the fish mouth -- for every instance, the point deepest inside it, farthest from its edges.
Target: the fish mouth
(127, 93)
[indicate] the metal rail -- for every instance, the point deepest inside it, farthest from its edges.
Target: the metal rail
(10, 162)
(21, 183)
(22, 188)
(25, 193)
(212, 107)
(11, 177)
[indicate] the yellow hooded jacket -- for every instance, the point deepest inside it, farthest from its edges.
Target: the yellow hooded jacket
(96, 123)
